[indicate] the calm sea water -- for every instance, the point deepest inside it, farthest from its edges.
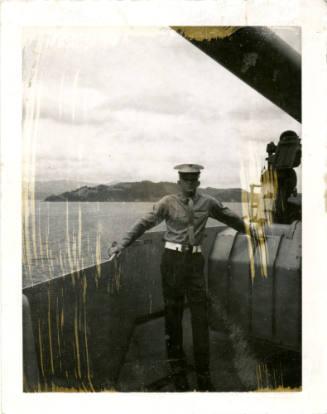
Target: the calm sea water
(61, 237)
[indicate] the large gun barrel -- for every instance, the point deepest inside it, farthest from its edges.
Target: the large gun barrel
(257, 56)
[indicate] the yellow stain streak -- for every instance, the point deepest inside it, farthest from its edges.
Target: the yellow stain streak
(50, 268)
(77, 343)
(84, 288)
(269, 194)
(40, 239)
(98, 255)
(84, 387)
(47, 246)
(275, 381)
(259, 207)
(252, 266)
(32, 178)
(61, 262)
(245, 202)
(78, 274)
(58, 329)
(74, 252)
(259, 377)
(80, 321)
(68, 245)
(26, 245)
(200, 33)
(251, 252)
(87, 352)
(79, 232)
(262, 371)
(266, 373)
(48, 221)
(25, 386)
(50, 333)
(62, 318)
(248, 214)
(88, 243)
(41, 351)
(32, 95)
(55, 388)
(26, 227)
(279, 389)
(263, 252)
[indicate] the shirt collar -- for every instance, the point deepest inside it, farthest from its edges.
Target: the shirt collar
(184, 199)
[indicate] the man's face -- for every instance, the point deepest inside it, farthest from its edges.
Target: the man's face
(189, 182)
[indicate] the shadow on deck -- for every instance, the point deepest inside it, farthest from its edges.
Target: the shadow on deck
(102, 329)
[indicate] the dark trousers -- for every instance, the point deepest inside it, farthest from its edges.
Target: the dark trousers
(182, 276)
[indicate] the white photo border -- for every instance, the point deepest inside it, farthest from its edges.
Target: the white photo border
(311, 17)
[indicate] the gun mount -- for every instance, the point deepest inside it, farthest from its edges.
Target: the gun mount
(278, 183)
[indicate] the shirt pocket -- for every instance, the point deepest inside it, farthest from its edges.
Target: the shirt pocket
(201, 215)
(179, 216)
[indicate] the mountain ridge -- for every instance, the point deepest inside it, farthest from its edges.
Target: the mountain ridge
(139, 191)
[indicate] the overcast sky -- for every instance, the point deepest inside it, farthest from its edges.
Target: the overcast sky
(126, 104)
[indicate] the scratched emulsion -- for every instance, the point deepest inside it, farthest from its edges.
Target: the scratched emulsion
(41, 258)
(272, 379)
(40, 249)
(64, 324)
(257, 207)
(269, 379)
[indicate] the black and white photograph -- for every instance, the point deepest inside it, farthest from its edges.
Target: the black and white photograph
(163, 206)
(161, 209)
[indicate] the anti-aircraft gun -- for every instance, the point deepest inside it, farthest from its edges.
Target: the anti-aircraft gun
(257, 288)
(277, 200)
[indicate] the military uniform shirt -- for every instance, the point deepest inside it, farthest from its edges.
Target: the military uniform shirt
(175, 210)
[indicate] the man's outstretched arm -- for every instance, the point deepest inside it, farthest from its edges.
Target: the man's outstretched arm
(221, 213)
(151, 219)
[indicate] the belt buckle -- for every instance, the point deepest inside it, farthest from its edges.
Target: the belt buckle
(185, 248)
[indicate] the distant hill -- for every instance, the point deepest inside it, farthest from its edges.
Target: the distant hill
(44, 189)
(138, 191)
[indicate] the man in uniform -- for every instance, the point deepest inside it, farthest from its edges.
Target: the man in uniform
(182, 267)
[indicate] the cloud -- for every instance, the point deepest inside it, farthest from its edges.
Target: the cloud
(83, 82)
(128, 104)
